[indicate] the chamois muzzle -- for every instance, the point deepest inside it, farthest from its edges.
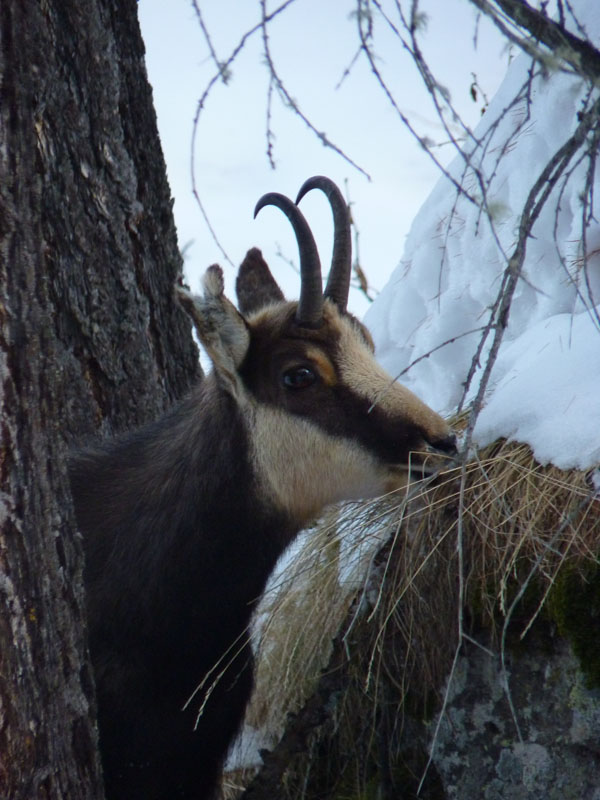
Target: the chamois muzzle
(445, 445)
(440, 455)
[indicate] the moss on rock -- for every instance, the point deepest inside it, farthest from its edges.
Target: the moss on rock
(574, 604)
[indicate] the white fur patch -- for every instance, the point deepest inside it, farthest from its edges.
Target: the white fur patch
(304, 469)
(213, 282)
(366, 378)
(220, 327)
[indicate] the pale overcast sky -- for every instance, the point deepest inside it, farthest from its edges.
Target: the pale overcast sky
(312, 44)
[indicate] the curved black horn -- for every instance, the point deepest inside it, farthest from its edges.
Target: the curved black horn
(310, 305)
(338, 282)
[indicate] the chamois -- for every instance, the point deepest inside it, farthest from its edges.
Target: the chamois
(184, 519)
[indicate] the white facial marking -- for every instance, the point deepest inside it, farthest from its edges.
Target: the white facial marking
(304, 468)
(366, 378)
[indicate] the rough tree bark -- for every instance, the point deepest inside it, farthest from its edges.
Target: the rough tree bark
(90, 340)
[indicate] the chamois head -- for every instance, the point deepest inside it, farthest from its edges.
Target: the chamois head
(325, 421)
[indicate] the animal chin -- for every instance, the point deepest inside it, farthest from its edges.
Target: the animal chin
(421, 464)
(400, 475)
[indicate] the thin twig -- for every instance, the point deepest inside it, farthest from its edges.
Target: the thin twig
(393, 380)
(223, 68)
(538, 195)
(364, 36)
(291, 103)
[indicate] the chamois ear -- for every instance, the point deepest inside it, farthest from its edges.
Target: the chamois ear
(255, 286)
(221, 328)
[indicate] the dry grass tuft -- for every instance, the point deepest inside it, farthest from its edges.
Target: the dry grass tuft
(401, 579)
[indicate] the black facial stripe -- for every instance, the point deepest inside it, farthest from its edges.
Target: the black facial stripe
(340, 412)
(387, 437)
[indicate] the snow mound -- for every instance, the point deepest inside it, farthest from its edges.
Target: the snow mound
(544, 388)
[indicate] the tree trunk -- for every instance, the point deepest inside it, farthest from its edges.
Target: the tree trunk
(90, 340)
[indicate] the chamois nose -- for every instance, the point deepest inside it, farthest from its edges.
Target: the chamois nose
(446, 444)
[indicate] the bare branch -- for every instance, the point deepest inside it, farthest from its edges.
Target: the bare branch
(222, 69)
(535, 202)
(580, 54)
(365, 36)
(293, 104)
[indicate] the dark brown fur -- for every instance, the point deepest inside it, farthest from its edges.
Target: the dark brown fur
(178, 548)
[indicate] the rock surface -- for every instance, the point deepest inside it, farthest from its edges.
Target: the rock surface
(547, 747)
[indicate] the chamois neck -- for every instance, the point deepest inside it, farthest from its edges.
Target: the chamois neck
(172, 509)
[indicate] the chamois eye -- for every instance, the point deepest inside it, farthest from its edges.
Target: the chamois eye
(299, 378)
